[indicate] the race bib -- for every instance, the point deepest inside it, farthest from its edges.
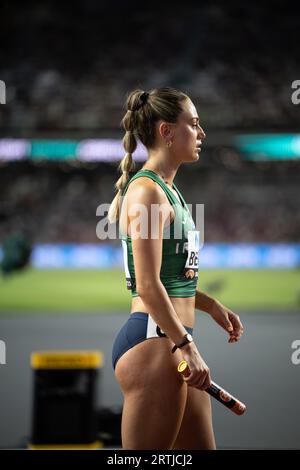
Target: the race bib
(130, 284)
(192, 261)
(153, 330)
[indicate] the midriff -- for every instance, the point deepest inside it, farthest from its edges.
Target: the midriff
(183, 306)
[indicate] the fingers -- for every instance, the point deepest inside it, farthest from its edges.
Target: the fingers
(235, 336)
(202, 382)
(238, 329)
(192, 379)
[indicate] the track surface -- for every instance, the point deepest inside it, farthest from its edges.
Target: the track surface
(258, 370)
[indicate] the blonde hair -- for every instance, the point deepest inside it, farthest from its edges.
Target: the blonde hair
(143, 111)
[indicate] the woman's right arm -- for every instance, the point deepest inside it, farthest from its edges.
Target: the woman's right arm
(147, 258)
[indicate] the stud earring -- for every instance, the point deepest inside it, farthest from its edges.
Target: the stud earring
(169, 143)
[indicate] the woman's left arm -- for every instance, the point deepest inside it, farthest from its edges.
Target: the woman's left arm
(222, 315)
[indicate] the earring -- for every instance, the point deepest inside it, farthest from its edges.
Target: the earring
(169, 143)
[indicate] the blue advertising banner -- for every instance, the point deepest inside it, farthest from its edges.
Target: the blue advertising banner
(212, 255)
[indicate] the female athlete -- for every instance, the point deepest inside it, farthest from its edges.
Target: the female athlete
(162, 410)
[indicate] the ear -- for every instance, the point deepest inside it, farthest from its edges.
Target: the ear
(165, 129)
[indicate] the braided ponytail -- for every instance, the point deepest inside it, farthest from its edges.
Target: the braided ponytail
(127, 164)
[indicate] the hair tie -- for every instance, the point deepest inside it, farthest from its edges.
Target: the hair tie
(144, 97)
(142, 100)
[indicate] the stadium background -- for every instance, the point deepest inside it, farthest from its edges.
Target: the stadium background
(67, 69)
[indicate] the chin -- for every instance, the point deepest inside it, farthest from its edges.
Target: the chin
(191, 157)
(191, 160)
(195, 157)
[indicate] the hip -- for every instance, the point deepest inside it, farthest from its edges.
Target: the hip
(139, 327)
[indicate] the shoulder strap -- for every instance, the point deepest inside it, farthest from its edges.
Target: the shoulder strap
(153, 176)
(180, 195)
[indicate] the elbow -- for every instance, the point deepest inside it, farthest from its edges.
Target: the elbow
(147, 288)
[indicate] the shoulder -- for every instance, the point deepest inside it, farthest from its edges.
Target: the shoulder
(146, 191)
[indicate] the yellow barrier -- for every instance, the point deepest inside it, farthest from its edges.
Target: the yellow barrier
(64, 399)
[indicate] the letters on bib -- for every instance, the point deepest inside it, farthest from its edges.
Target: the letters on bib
(192, 261)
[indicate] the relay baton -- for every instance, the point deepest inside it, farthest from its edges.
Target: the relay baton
(217, 392)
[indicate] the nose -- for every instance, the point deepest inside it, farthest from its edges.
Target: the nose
(202, 133)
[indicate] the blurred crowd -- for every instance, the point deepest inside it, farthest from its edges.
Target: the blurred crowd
(57, 204)
(70, 68)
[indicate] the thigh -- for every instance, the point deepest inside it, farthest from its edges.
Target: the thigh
(196, 431)
(154, 395)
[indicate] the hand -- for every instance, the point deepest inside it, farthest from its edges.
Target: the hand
(198, 371)
(227, 320)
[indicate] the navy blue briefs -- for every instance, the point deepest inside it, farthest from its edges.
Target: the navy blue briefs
(139, 327)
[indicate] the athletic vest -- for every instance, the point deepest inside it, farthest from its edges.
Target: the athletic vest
(179, 267)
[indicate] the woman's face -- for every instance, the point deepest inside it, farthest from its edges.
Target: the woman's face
(188, 135)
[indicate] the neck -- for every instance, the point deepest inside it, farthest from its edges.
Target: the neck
(163, 168)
